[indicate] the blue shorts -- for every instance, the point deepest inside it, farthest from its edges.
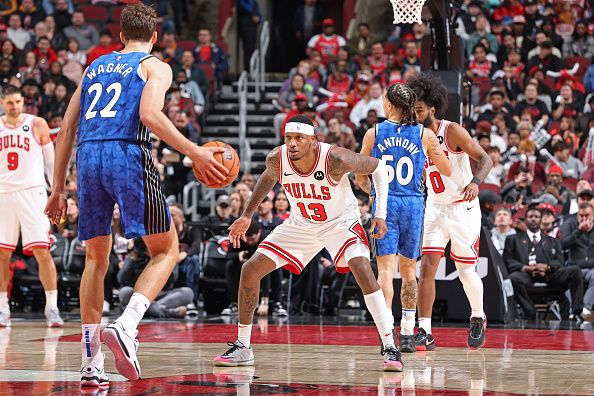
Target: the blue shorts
(405, 226)
(111, 172)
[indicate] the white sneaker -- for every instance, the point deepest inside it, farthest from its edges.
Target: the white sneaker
(123, 344)
(105, 308)
(53, 318)
(237, 355)
(94, 373)
(4, 319)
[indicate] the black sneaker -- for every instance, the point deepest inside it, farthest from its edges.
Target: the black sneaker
(476, 335)
(424, 341)
(407, 343)
(278, 309)
(392, 360)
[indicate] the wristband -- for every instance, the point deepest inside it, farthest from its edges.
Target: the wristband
(476, 180)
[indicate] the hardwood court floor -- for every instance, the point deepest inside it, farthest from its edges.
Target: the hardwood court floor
(303, 359)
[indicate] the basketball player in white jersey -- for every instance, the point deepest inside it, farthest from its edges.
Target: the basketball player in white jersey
(26, 154)
(452, 213)
(324, 214)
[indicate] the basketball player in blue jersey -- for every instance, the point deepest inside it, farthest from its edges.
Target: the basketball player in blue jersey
(401, 143)
(118, 101)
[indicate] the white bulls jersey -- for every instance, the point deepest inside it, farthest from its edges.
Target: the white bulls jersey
(315, 197)
(21, 157)
(442, 189)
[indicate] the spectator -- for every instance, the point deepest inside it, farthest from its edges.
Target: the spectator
(318, 72)
(8, 7)
(497, 173)
(209, 53)
(297, 88)
(218, 223)
(373, 101)
(360, 44)
(548, 224)
(183, 124)
(395, 70)
(488, 200)
(237, 204)
(249, 179)
(30, 70)
(30, 14)
(533, 257)
(85, 34)
(577, 236)
(19, 36)
(172, 53)
(337, 136)
(483, 139)
(56, 38)
(75, 54)
(545, 60)
(339, 82)
(326, 43)
(411, 56)
(572, 167)
(480, 66)
(62, 14)
(70, 229)
(581, 42)
(366, 123)
(176, 173)
(57, 103)
(378, 61)
(537, 108)
(307, 22)
(9, 53)
(248, 19)
(32, 97)
(518, 190)
(497, 105)
(503, 228)
(194, 72)
(55, 72)
(191, 89)
(188, 261)
(481, 30)
(298, 106)
(281, 205)
(566, 104)
(71, 69)
(360, 89)
(244, 190)
(45, 54)
(105, 46)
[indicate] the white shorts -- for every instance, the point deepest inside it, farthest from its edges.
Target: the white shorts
(459, 223)
(293, 244)
(23, 211)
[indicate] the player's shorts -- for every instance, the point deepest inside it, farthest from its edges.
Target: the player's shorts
(405, 225)
(459, 223)
(111, 172)
(22, 211)
(293, 244)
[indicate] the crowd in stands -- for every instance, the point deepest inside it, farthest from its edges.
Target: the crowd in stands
(530, 106)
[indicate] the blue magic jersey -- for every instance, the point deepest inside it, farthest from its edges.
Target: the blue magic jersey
(401, 148)
(110, 99)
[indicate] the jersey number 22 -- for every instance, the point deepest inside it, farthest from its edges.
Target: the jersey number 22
(107, 111)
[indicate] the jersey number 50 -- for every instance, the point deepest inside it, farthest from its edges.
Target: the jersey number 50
(403, 180)
(107, 111)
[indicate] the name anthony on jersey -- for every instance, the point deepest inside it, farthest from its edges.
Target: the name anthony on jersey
(393, 141)
(121, 68)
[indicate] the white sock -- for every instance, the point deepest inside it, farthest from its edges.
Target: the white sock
(90, 342)
(4, 307)
(134, 311)
(425, 324)
(586, 311)
(376, 305)
(244, 334)
(473, 287)
(407, 323)
(51, 300)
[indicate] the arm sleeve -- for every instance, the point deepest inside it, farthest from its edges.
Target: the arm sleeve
(48, 160)
(380, 182)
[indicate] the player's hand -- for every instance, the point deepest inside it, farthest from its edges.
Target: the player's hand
(238, 229)
(55, 210)
(470, 192)
(207, 166)
(378, 228)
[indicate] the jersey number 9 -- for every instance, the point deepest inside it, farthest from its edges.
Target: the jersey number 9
(403, 180)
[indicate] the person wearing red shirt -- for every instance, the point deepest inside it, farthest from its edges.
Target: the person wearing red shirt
(105, 47)
(326, 43)
(378, 61)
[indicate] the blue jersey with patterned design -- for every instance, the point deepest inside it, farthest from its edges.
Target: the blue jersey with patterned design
(110, 99)
(401, 147)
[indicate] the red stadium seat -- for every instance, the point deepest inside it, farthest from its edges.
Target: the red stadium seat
(390, 48)
(570, 183)
(187, 45)
(114, 29)
(489, 186)
(582, 61)
(116, 14)
(94, 13)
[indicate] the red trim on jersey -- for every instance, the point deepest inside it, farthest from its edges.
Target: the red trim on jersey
(477, 245)
(433, 250)
(280, 166)
(283, 254)
(328, 178)
(15, 126)
(36, 244)
(32, 131)
(463, 260)
(341, 252)
(319, 149)
(7, 247)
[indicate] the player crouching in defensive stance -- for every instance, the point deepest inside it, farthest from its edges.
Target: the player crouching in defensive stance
(324, 214)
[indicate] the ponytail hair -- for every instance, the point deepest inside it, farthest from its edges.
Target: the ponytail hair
(404, 98)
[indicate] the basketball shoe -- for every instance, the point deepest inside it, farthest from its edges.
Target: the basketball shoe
(4, 319)
(231, 310)
(424, 341)
(392, 360)
(94, 373)
(476, 334)
(407, 343)
(53, 318)
(123, 344)
(237, 355)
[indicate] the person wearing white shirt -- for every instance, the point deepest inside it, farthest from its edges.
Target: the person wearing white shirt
(503, 228)
(19, 36)
(363, 106)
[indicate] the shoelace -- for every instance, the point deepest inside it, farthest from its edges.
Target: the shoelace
(476, 326)
(421, 335)
(392, 353)
(234, 346)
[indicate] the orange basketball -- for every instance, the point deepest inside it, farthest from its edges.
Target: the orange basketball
(228, 158)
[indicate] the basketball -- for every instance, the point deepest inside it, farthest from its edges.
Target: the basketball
(229, 159)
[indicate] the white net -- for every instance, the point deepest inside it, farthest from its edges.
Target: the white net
(407, 11)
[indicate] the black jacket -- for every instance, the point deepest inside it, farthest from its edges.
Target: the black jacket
(518, 247)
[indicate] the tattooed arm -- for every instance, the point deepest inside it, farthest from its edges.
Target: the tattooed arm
(435, 153)
(266, 181)
(368, 142)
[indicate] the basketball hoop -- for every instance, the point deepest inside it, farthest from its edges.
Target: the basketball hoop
(407, 11)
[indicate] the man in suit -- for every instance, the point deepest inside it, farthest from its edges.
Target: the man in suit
(532, 256)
